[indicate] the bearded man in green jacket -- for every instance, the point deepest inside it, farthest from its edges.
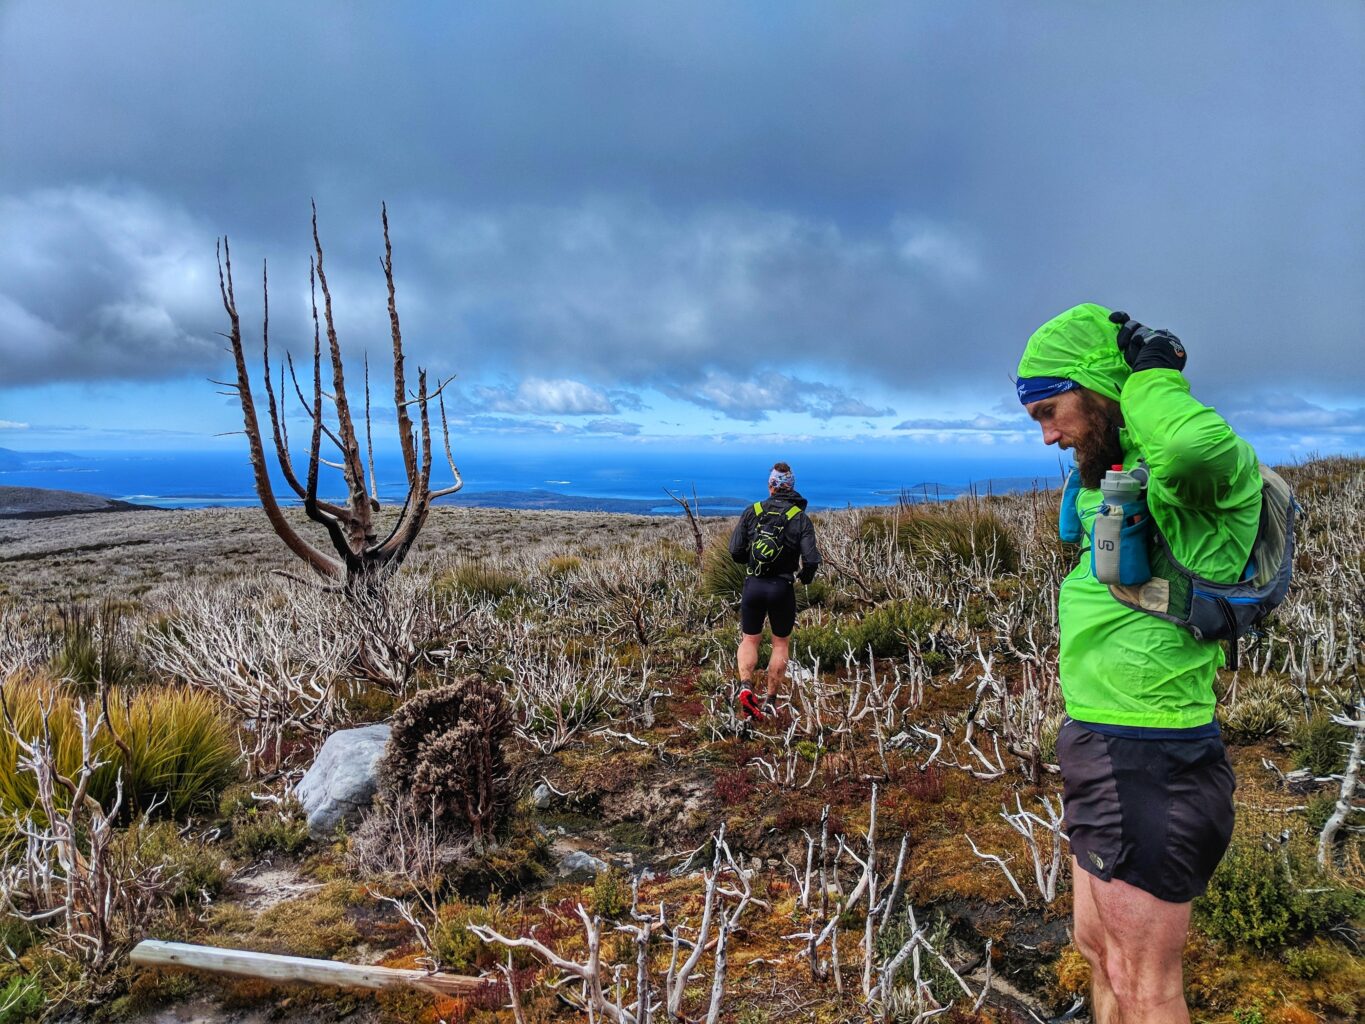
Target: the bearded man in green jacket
(1147, 784)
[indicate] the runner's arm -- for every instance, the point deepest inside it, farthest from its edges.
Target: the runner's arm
(739, 539)
(1195, 458)
(810, 553)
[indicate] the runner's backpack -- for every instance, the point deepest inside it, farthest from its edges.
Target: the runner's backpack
(770, 537)
(1223, 611)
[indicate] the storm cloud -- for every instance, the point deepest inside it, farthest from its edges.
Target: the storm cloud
(837, 212)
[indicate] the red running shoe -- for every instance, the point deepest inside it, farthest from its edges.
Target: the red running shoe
(750, 704)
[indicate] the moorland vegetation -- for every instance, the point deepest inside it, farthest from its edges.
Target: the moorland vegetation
(889, 849)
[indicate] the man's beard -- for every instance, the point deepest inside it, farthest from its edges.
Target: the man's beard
(1101, 449)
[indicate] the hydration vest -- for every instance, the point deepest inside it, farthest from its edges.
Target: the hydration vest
(770, 537)
(1209, 610)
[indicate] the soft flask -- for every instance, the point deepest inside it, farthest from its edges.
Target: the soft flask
(1118, 548)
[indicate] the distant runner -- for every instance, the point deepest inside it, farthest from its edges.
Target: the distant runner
(1147, 784)
(772, 539)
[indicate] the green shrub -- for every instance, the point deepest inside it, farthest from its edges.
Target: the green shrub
(891, 628)
(1266, 898)
(934, 661)
(460, 951)
(258, 830)
(21, 999)
(15, 934)
(1311, 961)
(722, 578)
(611, 893)
(195, 867)
(182, 750)
(1320, 745)
(822, 640)
(1319, 808)
(814, 594)
(94, 647)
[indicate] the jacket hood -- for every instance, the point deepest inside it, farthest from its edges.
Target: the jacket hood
(790, 498)
(1081, 345)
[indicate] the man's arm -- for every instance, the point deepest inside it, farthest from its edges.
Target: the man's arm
(810, 553)
(1195, 458)
(739, 539)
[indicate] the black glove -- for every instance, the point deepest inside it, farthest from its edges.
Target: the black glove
(1146, 349)
(807, 574)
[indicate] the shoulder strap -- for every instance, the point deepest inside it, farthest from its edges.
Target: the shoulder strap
(793, 512)
(758, 508)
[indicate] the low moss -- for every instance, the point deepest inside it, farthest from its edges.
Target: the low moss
(257, 830)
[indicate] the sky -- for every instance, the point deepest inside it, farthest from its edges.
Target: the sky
(779, 223)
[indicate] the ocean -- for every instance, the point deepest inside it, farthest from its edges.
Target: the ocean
(610, 478)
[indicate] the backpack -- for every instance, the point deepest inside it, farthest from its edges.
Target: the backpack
(769, 538)
(1223, 611)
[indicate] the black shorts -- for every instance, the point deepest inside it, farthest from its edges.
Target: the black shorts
(773, 597)
(1156, 814)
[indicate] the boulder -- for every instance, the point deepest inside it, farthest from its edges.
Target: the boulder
(542, 797)
(343, 779)
(578, 861)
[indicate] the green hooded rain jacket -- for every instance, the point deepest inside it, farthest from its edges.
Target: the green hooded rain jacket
(1120, 666)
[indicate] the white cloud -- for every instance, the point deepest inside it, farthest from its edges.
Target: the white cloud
(753, 399)
(12, 425)
(981, 423)
(546, 397)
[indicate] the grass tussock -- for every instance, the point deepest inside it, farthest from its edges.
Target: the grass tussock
(181, 747)
(969, 533)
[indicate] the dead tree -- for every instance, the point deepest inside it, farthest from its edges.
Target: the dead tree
(1350, 778)
(362, 557)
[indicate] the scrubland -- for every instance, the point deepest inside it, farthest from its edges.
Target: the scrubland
(561, 683)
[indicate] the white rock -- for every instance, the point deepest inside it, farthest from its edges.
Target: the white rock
(580, 861)
(343, 779)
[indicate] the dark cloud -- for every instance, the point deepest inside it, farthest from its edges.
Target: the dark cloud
(1289, 416)
(98, 284)
(680, 196)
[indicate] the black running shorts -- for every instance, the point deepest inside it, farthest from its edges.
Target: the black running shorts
(1156, 814)
(773, 597)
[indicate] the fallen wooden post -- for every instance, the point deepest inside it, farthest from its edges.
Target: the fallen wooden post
(273, 967)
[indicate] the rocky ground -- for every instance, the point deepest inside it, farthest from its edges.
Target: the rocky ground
(125, 554)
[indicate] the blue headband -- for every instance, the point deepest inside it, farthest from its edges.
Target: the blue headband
(1035, 389)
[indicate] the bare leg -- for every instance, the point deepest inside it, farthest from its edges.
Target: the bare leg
(777, 664)
(748, 656)
(1088, 932)
(1140, 945)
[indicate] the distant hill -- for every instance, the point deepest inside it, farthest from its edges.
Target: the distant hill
(14, 460)
(39, 503)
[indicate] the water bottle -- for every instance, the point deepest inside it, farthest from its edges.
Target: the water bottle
(1119, 544)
